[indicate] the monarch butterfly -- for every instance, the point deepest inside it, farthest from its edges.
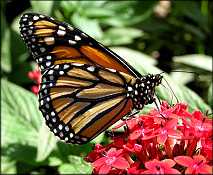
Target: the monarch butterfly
(85, 87)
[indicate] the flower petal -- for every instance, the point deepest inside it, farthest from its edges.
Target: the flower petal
(205, 169)
(172, 171)
(162, 139)
(99, 162)
(135, 135)
(185, 161)
(105, 169)
(111, 152)
(121, 163)
(169, 162)
(189, 170)
(198, 158)
(175, 133)
(151, 165)
(148, 172)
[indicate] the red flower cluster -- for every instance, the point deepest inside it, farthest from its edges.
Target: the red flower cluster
(35, 75)
(180, 143)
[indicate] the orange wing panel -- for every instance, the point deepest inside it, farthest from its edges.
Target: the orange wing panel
(102, 59)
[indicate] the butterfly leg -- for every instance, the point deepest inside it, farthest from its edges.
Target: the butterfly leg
(159, 109)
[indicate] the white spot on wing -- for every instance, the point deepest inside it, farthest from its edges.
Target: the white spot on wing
(72, 42)
(66, 66)
(91, 68)
(61, 27)
(48, 57)
(70, 27)
(50, 72)
(42, 49)
(61, 72)
(77, 38)
(61, 32)
(83, 34)
(77, 64)
(48, 63)
(49, 40)
(35, 18)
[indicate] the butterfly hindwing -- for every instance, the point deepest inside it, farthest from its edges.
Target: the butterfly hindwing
(80, 101)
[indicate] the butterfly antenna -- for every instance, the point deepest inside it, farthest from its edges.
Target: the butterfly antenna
(198, 75)
(171, 90)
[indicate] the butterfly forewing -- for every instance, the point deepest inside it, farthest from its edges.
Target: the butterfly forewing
(53, 42)
(79, 101)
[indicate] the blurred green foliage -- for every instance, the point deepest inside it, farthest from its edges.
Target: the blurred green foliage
(173, 35)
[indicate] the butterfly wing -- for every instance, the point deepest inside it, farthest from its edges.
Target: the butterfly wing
(53, 42)
(84, 87)
(80, 101)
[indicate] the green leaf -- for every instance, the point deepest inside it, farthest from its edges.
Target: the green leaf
(210, 102)
(19, 75)
(21, 119)
(98, 13)
(89, 26)
(46, 143)
(99, 138)
(76, 166)
(91, 4)
(203, 62)
(54, 161)
(69, 6)
(134, 57)
(119, 36)
(194, 13)
(181, 78)
(127, 13)
(43, 7)
(62, 150)
(8, 166)
(5, 45)
(22, 153)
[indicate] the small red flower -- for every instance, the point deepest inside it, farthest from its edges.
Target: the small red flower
(168, 129)
(164, 167)
(35, 75)
(111, 160)
(195, 165)
(134, 168)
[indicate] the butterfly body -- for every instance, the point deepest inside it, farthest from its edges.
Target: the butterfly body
(85, 87)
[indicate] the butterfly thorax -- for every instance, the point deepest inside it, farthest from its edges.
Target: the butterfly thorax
(142, 92)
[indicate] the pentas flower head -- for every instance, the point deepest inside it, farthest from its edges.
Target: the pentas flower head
(35, 75)
(160, 167)
(111, 160)
(194, 165)
(152, 144)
